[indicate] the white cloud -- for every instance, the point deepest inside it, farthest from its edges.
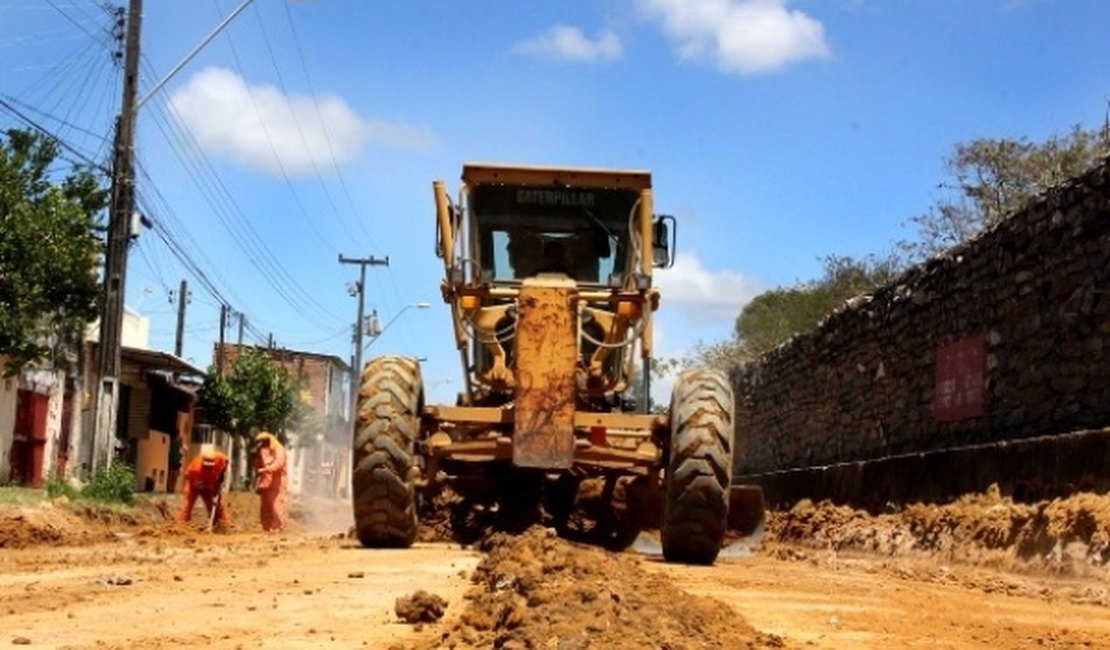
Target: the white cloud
(569, 44)
(704, 296)
(745, 36)
(258, 125)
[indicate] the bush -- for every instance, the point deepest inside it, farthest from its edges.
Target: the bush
(59, 487)
(113, 484)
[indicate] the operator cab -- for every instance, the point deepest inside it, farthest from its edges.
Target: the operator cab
(525, 231)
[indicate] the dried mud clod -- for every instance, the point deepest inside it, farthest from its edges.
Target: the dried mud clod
(420, 607)
(535, 590)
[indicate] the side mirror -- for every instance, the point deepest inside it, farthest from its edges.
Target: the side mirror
(664, 240)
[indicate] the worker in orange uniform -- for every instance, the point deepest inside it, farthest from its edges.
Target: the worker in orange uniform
(204, 478)
(269, 462)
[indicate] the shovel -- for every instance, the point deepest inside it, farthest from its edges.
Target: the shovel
(215, 509)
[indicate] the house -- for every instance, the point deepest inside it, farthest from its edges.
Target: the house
(47, 415)
(35, 424)
(320, 448)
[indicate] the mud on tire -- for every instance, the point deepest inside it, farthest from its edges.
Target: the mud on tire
(389, 400)
(695, 508)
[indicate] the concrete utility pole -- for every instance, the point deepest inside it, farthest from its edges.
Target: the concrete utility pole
(242, 320)
(106, 392)
(119, 234)
(356, 369)
(182, 300)
(220, 350)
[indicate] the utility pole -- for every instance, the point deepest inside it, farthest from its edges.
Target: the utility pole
(115, 271)
(220, 350)
(182, 299)
(356, 369)
(242, 319)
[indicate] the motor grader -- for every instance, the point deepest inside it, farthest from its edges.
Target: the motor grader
(548, 276)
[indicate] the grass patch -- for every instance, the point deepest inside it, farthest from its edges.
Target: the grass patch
(59, 487)
(112, 485)
(115, 484)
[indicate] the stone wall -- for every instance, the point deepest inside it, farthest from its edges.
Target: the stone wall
(1004, 338)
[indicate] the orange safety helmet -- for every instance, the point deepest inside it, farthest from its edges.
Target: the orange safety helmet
(265, 439)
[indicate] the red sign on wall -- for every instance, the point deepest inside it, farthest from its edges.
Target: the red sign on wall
(960, 380)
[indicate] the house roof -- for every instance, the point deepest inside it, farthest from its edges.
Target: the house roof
(158, 360)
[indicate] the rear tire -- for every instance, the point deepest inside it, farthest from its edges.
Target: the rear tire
(695, 508)
(388, 423)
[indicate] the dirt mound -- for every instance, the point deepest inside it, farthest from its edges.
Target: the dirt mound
(49, 524)
(1068, 536)
(66, 523)
(535, 590)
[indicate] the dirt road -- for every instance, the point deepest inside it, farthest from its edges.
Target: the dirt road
(828, 601)
(234, 591)
(81, 578)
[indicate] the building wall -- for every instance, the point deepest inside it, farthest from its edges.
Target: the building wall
(134, 330)
(51, 383)
(8, 392)
(152, 461)
(1005, 338)
(135, 333)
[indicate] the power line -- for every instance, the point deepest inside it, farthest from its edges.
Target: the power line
(43, 130)
(231, 216)
(70, 19)
(343, 220)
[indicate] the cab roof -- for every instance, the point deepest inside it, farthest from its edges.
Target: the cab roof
(475, 174)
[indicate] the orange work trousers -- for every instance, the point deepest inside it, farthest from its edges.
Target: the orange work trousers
(208, 495)
(273, 507)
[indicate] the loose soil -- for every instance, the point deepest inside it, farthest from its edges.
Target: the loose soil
(1069, 537)
(982, 572)
(534, 590)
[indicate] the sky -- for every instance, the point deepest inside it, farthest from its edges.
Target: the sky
(777, 132)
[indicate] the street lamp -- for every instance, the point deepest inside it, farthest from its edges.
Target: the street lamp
(376, 332)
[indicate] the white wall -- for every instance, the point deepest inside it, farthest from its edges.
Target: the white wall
(135, 332)
(54, 411)
(8, 388)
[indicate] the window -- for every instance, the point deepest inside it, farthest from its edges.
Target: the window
(583, 235)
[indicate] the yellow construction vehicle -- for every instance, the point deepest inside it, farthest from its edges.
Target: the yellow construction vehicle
(549, 281)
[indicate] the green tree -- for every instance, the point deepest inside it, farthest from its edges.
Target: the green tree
(774, 316)
(771, 318)
(992, 178)
(49, 252)
(255, 394)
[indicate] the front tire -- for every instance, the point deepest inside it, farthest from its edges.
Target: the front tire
(695, 508)
(388, 422)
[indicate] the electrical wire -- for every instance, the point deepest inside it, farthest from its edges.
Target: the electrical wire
(327, 139)
(231, 216)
